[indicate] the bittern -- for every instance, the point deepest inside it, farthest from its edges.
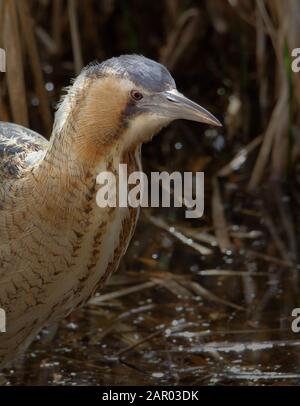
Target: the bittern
(57, 247)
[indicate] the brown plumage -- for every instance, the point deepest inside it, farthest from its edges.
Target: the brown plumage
(56, 245)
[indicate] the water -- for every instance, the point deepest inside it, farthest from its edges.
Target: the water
(171, 332)
(187, 313)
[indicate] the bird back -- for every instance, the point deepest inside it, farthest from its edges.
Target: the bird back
(20, 149)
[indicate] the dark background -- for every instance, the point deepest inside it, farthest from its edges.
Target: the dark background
(208, 301)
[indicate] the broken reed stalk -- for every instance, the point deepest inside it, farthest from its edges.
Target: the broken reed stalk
(179, 38)
(34, 60)
(78, 63)
(281, 23)
(56, 24)
(219, 219)
(14, 75)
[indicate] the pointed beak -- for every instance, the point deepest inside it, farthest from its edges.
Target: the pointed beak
(173, 105)
(177, 106)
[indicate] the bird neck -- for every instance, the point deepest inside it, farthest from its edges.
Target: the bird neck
(65, 178)
(90, 119)
(86, 139)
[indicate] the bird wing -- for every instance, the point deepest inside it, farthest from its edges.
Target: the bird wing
(20, 148)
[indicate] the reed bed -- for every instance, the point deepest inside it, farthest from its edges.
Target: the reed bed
(206, 301)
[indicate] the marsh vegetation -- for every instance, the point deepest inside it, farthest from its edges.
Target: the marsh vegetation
(198, 301)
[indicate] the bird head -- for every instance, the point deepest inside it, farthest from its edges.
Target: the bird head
(124, 101)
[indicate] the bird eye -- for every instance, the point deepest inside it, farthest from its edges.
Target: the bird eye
(136, 95)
